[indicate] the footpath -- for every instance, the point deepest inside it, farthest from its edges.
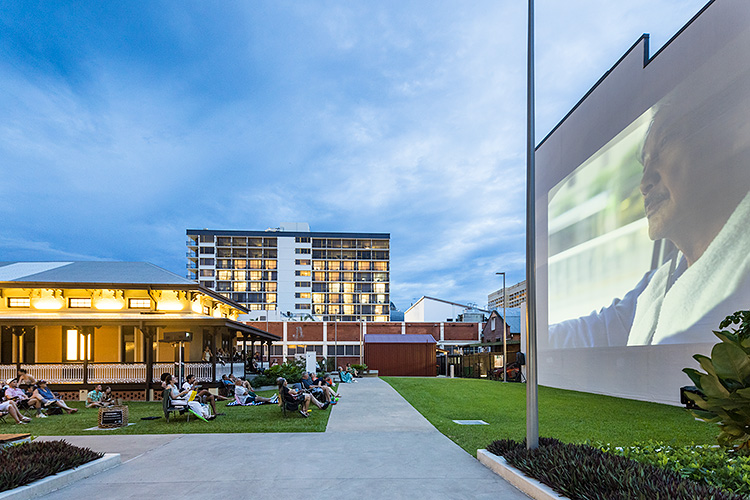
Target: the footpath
(375, 446)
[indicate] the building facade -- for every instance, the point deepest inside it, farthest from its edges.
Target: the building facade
(343, 342)
(291, 272)
(434, 309)
(79, 323)
(516, 296)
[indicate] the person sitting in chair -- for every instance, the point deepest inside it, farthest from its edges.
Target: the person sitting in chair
(346, 378)
(8, 406)
(201, 411)
(321, 392)
(22, 400)
(295, 398)
(202, 394)
(48, 399)
(245, 396)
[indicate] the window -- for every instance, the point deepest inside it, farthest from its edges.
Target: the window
(270, 264)
(239, 275)
(256, 264)
(302, 273)
(302, 306)
(255, 275)
(271, 287)
(224, 275)
(319, 265)
(207, 262)
(301, 295)
(19, 302)
(363, 266)
(223, 241)
(302, 262)
(139, 303)
(318, 298)
(128, 344)
(239, 286)
(207, 272)
(77, 344)
(207, 238)
(207, 250)
(256, 286)
(270, 298)
(206, 310)
(343, 350)
(319, 276)
(302, 250)
(334, 265)
(302, 284)
(207, 284)
(240, 264)
(73, 303)
(302, 239)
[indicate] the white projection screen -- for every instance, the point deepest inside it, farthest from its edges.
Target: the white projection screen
(643, 214)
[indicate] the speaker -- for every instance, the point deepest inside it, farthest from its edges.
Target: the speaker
(520, 358)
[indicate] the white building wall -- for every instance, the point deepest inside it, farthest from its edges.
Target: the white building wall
(285, 276)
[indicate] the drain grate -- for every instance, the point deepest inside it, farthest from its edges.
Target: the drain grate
(471, 422)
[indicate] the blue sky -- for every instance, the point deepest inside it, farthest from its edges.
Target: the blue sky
(125, 123)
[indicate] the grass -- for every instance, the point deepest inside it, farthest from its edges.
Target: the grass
(263, 418)
(569, 416)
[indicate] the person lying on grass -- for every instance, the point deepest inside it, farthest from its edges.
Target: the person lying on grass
(296, 398)
(246, 397)
(48, 399)
(11, 409)
(201, 411)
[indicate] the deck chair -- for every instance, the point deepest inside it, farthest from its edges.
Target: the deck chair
(287, 406)
(171, 406)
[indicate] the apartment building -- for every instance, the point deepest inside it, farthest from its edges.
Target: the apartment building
(516, 296)
(290, 272)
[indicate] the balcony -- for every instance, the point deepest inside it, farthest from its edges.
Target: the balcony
(115, 373)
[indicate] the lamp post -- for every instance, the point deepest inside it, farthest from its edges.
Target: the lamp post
(532, 401)
(505, 337)
(336, 343)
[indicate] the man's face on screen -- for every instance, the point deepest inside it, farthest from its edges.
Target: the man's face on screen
(675, 177)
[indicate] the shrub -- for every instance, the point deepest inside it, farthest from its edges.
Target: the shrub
(580, 471)
(360, 368)
(723, 468)
(292, 371)
(28, 462)
(724, 396)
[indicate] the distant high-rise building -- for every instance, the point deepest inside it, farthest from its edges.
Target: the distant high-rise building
(516, 296)
(298, 273)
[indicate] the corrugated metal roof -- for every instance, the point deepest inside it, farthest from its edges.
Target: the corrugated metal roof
(395, 338)
(90, 272)
(514, 318)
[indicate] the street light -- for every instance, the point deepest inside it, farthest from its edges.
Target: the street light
(505, 337)
(532, 391)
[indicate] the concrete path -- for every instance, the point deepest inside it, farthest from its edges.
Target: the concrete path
(376, 446)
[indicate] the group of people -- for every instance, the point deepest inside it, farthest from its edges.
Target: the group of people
(199, 401)
(347, 376)
(24, 392)
(312, 389)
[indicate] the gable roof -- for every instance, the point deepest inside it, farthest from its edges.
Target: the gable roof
(94, 272)
(513, 320)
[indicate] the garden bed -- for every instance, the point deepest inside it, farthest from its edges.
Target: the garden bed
(580, 471)
(24, 463)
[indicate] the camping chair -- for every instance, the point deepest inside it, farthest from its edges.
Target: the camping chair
(287, 405)
(170, 405)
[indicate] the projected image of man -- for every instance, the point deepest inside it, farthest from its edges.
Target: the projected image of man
(695, 184)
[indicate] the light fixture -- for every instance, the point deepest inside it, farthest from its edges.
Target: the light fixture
(48, 303)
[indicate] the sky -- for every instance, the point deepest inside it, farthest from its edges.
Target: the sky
(122, 124)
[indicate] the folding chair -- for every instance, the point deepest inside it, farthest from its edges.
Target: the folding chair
(171, 406)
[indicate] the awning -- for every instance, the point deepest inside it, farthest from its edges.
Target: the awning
(150, 319)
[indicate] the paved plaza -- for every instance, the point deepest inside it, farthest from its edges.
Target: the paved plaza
(375, 446)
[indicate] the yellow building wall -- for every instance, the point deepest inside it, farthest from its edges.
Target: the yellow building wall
(107, 344)
(49, 344)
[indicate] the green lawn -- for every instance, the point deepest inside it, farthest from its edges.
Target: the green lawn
(263, 418)
(567, 415)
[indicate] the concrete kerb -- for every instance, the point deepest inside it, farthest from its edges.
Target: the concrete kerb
(62, 479)
(528, 485)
